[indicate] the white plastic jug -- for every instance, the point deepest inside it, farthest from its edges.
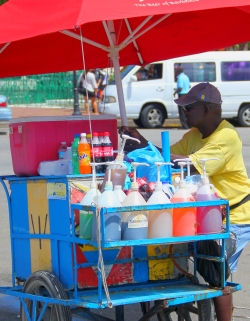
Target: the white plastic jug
(160, 222)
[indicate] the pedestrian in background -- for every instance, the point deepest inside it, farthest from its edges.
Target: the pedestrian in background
(183, 86)
(89, 89)
(102, 82)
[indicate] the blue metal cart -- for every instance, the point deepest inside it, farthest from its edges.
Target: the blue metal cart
(56, 274)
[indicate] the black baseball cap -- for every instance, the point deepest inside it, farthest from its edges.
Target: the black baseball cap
(204, 92)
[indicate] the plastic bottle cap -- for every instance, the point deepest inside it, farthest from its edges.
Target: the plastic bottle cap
(63, 143)
(83, 134)
(76, 135)
(158, 186)
(134, 185)
(108, 186)
(119, 158)
(95, 134)
(106, 134)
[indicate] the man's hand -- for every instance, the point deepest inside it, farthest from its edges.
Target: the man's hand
(131, 144)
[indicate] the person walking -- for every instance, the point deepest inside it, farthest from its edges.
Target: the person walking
(89, 89)
(212, 136)
(183, 86)
(102, 82)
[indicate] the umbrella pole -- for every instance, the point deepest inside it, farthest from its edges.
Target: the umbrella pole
(115, 59)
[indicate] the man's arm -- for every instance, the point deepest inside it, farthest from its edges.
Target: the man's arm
(177, 91)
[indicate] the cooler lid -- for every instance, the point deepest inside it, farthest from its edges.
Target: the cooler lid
(60, 118)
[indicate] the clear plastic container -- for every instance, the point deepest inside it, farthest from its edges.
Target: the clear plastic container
(184, 219)
(209, 218)
(59, 167)
(62, 150)
(112, 220)
(160, 222)
(119, 193)
(134, 224)
(67, 154)
(86, 217)
(118, 168)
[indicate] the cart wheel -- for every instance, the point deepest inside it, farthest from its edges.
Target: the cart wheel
(204, 309)
(43, 283)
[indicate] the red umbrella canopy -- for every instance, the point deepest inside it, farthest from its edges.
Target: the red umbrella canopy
(45, 36)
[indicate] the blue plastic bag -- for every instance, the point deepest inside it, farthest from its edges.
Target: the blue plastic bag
(149, 155)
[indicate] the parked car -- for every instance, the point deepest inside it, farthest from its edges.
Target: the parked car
(5, 111)
(149, 100)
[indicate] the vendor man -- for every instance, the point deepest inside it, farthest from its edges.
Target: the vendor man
(210, 136)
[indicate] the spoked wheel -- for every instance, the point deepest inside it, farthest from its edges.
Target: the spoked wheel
(43, 283)
(201, 311)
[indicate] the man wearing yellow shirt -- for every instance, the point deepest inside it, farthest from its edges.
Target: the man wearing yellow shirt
(210, 137)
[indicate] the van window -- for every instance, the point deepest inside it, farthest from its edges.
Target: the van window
(235, 71)
(149, 72)
(124, 71)
(198, 71)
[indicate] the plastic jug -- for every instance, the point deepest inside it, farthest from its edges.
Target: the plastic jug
(134, 224)
(160, 222)
(168, 189)
(86, 217)
(112, 221)
(184, 219)
(209, 219)
(118, 168)
(189, 182)
(119, 193)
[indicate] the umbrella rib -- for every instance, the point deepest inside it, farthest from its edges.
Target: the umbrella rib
(134, 42)
(108, 33)
(91, 42)
(146, 29)
(136, 30)
(4, 47)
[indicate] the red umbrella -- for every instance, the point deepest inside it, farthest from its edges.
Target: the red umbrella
(41, 36)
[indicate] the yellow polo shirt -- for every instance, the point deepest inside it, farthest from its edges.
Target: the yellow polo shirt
(228, 175)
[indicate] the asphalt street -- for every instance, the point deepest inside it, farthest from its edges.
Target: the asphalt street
(9, 306)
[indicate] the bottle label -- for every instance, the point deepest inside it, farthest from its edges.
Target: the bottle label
(61, 154)
(107, 151)
(84, 159)
(136, 220)
(96, 151)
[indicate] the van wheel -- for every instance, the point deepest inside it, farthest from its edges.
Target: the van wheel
(138, 122)
(244, 116)
(153, 116)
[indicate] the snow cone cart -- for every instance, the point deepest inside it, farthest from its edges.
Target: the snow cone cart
(57, 274)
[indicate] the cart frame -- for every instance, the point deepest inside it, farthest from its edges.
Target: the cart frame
(165, 293)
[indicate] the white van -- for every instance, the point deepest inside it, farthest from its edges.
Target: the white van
(149, 100)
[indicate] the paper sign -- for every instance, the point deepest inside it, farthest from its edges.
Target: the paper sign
(56, 190)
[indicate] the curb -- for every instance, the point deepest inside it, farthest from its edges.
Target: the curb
(4, 125)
